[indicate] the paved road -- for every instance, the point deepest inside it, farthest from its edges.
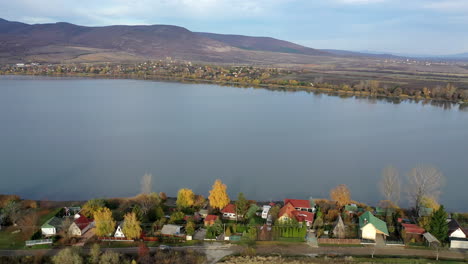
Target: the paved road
(216, 251)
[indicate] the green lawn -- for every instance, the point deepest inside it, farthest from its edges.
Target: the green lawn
(10, 240)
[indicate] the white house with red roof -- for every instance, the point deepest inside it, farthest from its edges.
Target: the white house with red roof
(80, 225)
(229, 212)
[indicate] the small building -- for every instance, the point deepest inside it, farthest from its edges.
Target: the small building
(455, 230)
(431, 240)
(339, 231)
(52, 226)
(229, 212)
(203, 213)
(351, 209)
(412, 232)
(172, 230)
(80, 225)
(424, 211)
(371, 226)
(289, 213)
(210, 220)
(381, 211)
(265, 211)
(119, 231)
(458, 236)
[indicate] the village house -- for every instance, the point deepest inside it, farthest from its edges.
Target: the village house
(210, 220)
(80, 225)
(119, 231)
(172, 230)
(229, 212)
(289, 213)
(371, 226)
(412, 233)
(52, 226)
(265, 211)
(457, 235)
(300, 205)
(339, 231)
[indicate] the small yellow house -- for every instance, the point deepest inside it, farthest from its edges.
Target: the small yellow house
(371, 226)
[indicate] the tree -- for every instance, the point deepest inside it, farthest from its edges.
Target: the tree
(218, 196)
(242, 205)
(185, 198)
(274, 211)
(12, 211)
(199, 201)
(146, 183)
(429, 202)
(110, 257)
(94, 254)
(341, 195)
(147, 201)
(390, 184)
(104, 222)
(253, 208)
(190, 228)
(67, 256)
(131, 226)
(92, 206)
(65, 228)
(424, 181)
(438, 225)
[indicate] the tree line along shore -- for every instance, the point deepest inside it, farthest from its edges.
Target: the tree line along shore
(249, 76)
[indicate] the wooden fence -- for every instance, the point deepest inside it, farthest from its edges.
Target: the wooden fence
(336, 241)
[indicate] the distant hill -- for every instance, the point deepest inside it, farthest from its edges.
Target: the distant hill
(57, 42)
(262, 44)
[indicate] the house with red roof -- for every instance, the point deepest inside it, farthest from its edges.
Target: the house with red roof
(229, 212)
(80, 225)
(210, 220)
(289, 213)
(412, 233)
(300, 205)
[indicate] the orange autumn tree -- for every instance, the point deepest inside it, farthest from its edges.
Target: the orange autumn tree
(341, 195)
(218, 195)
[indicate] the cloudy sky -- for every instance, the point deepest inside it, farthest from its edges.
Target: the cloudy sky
(399, 26)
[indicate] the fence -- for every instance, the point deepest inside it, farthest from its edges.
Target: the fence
(336, 241)
(30, 243)
(115, 239)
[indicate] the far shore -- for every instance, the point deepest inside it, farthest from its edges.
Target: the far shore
(271, 87)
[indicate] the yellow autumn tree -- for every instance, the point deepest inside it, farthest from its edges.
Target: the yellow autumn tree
(341, 195)
(218, 196)
(430, 202)
(104, 222)
(131, 226)
(185, 198)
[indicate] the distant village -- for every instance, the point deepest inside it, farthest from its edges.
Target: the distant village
(291, 79)
(154, 218)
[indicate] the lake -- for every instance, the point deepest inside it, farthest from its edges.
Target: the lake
(70, 139)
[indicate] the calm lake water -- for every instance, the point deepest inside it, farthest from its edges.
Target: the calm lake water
(81, 138)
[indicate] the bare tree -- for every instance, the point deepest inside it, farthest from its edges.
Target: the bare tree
(424, 181)
(146, 183)
(390, 185)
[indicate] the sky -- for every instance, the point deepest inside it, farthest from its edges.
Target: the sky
(417, 27)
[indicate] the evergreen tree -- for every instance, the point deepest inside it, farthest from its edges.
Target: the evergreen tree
(438, 225)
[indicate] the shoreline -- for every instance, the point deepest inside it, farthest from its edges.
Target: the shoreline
(271, 87)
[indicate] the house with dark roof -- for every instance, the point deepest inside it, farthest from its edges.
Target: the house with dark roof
(52, 226)
(80, 225)
(372, 226)
(229, 212)
(458, 236)
(412, 233)
(289, 213)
